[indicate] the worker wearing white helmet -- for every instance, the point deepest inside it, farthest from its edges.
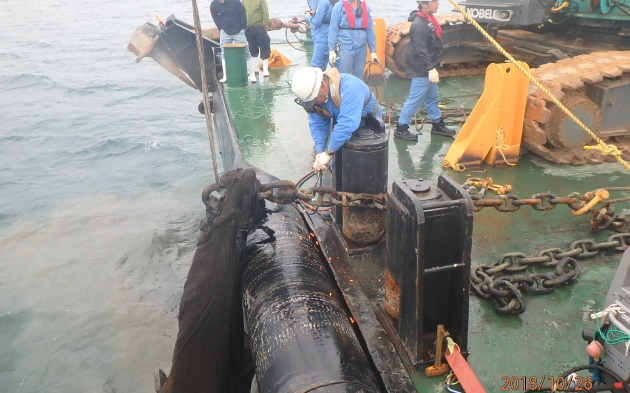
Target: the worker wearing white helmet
(342, 99)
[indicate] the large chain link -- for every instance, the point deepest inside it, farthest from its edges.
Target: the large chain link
(603, 218)
(284, 192)
(508, 203)
(492, 282)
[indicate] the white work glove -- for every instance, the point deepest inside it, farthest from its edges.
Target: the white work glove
(434, 77)
(332, 57)
(322, 161)
(374, 57)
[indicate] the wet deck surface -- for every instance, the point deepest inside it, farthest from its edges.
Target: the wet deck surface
(546, 339)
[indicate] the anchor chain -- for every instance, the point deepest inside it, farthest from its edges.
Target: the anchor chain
(506, 290)
(603, 218)
(284, 192)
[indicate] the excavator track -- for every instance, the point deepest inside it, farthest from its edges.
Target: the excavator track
(463, 46)
(576, 82)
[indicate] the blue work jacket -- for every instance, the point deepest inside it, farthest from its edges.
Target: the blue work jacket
(312, 5)
(354, 94)
(350, 39)
(321, 22)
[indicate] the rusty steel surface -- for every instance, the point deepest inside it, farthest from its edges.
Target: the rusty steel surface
(391, 298)
(363, 225)
(547, 131)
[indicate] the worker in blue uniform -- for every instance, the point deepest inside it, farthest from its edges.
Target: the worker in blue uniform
(332, 98)
(320, 23)
(352, 28)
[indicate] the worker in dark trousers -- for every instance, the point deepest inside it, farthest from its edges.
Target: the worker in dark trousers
(257, 37)
(231, 19)
(320, 23)
(352, 28)
(331, 97)
(423, 56)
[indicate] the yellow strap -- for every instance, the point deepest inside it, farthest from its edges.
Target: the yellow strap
(604, 148)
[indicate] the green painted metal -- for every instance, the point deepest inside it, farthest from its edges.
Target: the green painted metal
(236, 64)
(546, 339)
(604, 9)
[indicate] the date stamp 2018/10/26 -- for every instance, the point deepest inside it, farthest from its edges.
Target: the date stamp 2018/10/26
(533, 383)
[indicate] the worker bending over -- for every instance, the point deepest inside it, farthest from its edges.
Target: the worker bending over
(421, 59)
(320, 24)
(352, 28)
(342, 99)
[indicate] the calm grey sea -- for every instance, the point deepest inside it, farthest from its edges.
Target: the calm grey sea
(102, 164)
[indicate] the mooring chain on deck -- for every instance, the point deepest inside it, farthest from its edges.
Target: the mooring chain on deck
(603, 218)
(284, 192)
(506, 290)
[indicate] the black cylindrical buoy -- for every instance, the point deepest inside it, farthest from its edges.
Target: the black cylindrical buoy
(301, 337)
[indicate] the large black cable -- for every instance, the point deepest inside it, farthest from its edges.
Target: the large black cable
(598, 388)
(286, 35)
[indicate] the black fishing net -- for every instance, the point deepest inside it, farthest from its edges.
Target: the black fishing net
(210, 354)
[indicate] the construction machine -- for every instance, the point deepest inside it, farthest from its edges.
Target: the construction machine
(578, 49)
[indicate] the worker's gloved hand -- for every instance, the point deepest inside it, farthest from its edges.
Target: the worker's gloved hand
(434, 77)
(332, 57)
(322, 161)
(374, 57)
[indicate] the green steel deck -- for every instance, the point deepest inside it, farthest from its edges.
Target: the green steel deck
(546, 339)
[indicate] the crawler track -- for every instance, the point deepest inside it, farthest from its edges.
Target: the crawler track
(551, 134)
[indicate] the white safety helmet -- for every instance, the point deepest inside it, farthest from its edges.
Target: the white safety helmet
(305, 84)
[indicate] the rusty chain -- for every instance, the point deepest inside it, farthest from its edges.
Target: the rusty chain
(284, 192)
(492, 282)
(603, 218)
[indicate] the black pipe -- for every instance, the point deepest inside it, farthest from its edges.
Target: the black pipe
(301, 337)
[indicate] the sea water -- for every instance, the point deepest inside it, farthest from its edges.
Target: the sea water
(102, 164)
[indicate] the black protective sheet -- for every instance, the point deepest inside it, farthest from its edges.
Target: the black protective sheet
(210, 355)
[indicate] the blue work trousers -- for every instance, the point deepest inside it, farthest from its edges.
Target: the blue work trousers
(320, 56)
(421, 89)
(238, 38)
(352, 61)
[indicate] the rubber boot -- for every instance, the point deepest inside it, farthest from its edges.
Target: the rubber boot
(265, 67)
(256, 64)
(439, 128)
(402, 132)
(224, 79)
(251, 71)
